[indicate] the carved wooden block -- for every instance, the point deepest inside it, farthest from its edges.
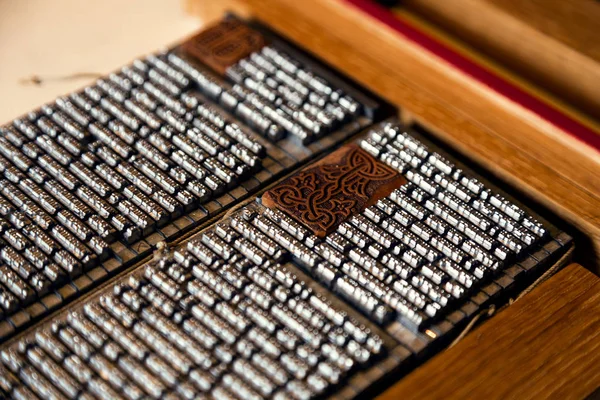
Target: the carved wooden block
(224, 44)
(328, 192)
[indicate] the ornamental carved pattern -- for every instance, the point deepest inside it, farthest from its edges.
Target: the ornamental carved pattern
(224, 44)
(329, 192)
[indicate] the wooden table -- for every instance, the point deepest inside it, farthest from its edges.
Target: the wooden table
(546, 345)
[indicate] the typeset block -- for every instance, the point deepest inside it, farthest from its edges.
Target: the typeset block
(233, 313)
(259, 306)
(348, 272)
(414, 255)
(91, 182)
(216, 318)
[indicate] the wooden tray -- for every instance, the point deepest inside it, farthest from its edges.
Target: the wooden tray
(548, 163)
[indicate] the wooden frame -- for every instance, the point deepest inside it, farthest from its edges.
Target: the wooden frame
(532, 155)
(543, 161)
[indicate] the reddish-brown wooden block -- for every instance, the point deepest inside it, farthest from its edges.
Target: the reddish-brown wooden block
(223, 44)
(326, 193)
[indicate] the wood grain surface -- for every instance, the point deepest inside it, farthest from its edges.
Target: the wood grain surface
(545, 346)
(533, 156)
(561, 52)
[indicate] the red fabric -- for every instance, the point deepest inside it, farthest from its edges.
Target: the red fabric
(476, 71)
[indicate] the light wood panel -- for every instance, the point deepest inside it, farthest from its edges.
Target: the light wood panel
(561, 52)
(524, 150)
(545, 346)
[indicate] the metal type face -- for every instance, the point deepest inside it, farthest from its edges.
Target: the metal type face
(91, 182)
(211, 318)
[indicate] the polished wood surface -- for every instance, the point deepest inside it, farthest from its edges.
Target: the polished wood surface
(546, 345)
(561, 53)
(524, 150)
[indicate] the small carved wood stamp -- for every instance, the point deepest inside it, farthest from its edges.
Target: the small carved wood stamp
(328, 192)
(223, 44)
